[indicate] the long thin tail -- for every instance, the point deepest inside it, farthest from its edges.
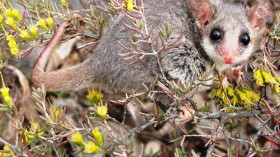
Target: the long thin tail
(69, 79)
(72, 78)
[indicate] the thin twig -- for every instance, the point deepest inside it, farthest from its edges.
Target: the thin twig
(257, 135)
(15, 148)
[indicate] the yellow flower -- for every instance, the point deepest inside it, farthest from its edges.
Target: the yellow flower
(15, 14)
(262, 77)
(8, 148)
(102, 111)
(258, 77)
(13, 45)
(277, 79)
(42, 23)
(28, 136)
(234, 100)
(77, 138)
(253, 96)
(97, 134)
(11, 40)
(55, 111)
(243, 97)
(221, 94)
(1, 19)
(232, 95)
(10, 22)
(277, 88)
(91, 147)
(33, 30)
(268, 78)
(5, 91)
(247, 96)
(8, 12)
(94, 96)
(14, 51)
(64, 2)
(230, 91)
(8, 100)
(49, 22)
(24, 34)
(129, 5)
(36, 127)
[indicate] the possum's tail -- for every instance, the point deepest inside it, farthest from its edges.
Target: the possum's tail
(72, 78)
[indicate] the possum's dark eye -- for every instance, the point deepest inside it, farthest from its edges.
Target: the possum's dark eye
(245, 39)
(216, 34)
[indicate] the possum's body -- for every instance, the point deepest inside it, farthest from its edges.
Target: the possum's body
(195, 20)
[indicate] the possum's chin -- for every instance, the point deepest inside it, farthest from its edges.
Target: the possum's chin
(220, 67)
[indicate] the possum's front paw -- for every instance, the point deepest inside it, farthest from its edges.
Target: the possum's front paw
(183, 64)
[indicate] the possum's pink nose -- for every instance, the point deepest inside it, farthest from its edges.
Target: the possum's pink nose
(229, 58)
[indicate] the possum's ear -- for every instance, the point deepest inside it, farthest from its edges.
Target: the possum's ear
(259, 14)
(202, 10)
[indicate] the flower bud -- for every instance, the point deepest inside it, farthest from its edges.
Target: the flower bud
(91, 147)
(97, 134)
(77, 138)
(102, 111)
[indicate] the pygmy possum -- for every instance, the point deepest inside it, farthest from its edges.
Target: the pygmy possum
(215, 35)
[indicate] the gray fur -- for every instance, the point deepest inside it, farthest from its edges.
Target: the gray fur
(178, 63)
(185, 63)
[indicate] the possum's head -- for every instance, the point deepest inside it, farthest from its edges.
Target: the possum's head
(229, 32)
